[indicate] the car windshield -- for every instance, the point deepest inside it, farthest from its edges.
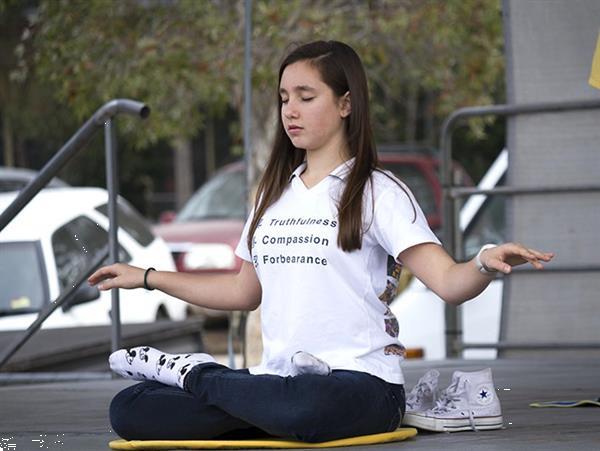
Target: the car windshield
(76, 245)
(22, 284)
(132, 221)
(221, 197)
(418, 184)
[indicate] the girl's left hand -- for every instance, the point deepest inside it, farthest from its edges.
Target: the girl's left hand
(503, 257)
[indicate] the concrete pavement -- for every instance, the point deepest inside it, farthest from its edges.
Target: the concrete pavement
(72, 415)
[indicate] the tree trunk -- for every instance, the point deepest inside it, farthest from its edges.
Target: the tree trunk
(430, 131)
(412, 98)
(254, 346)
(184, 170)
(263, 134)
(262, 141)
(209, 147)
(7, 137)
(20, 155)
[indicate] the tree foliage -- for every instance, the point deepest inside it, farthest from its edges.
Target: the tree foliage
(28, 111)
(452, 51)
(172, 55)
(185, 58)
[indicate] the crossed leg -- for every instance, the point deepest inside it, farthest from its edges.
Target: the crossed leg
(218, 400)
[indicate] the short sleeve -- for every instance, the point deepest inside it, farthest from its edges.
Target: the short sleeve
(242, 250)
(399, 222)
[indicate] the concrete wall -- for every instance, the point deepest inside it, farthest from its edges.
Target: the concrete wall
(550, 44)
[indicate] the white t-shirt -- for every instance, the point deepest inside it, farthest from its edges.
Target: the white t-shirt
(320, 299)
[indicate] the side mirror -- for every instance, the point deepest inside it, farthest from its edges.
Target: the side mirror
(167, 217)
(84, 293)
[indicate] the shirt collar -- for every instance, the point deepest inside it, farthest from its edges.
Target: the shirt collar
(299, 170)
(340, 172)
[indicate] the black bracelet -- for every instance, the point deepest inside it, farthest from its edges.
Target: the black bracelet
(146, 279)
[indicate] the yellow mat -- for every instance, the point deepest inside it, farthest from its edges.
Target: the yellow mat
(386, 437)
(576, 403)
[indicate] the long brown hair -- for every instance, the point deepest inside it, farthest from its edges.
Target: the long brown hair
(342, 70)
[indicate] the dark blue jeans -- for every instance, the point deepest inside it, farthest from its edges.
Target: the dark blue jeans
(219, 402)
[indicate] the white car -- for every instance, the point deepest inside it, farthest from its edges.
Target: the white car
(54, 240)
(15, 179)
(421, 313)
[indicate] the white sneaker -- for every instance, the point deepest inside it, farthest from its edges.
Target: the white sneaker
(469, 403)
(423, 394)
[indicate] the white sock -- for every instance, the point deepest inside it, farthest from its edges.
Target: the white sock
(306, 363)
(146, 363)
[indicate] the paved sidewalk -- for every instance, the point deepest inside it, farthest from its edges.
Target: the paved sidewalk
(73, 415)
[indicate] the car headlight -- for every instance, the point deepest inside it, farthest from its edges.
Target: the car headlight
(209, 256)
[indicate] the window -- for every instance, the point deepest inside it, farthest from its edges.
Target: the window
(76, 245)
(130, 220)
(221, 197)
(418, 184)
(23, 286)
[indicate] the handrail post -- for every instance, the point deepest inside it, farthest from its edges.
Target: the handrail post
(110, 145)
(452, 314)
(69, 150)
(102, 117)
(453, 321)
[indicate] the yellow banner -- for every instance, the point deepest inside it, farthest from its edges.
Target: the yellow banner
(595, 73)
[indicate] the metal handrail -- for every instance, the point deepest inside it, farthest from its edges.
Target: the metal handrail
(456, 193)
(551, 346)
(71, 147)
(103, 117)
(450, 237)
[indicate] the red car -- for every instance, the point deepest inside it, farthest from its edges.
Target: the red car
(205, 233)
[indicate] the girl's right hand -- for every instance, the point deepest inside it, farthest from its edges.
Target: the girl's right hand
(119, 275)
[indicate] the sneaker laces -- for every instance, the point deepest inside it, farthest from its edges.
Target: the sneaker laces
(451, 397)
(423, 388)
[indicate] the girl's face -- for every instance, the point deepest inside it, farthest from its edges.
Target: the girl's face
(312, 115)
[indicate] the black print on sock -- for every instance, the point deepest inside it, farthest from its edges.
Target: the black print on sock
(161, 361)
(129, 372)
(184, 369)
(144, 353)
(130, 355)
(172, 362)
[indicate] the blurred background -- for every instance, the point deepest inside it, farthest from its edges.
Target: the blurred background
(62, 59)
(182, 172)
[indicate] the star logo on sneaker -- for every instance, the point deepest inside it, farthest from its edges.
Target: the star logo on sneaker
(484, 395)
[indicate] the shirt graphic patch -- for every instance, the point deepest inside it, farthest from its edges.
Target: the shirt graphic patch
(392, 328)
